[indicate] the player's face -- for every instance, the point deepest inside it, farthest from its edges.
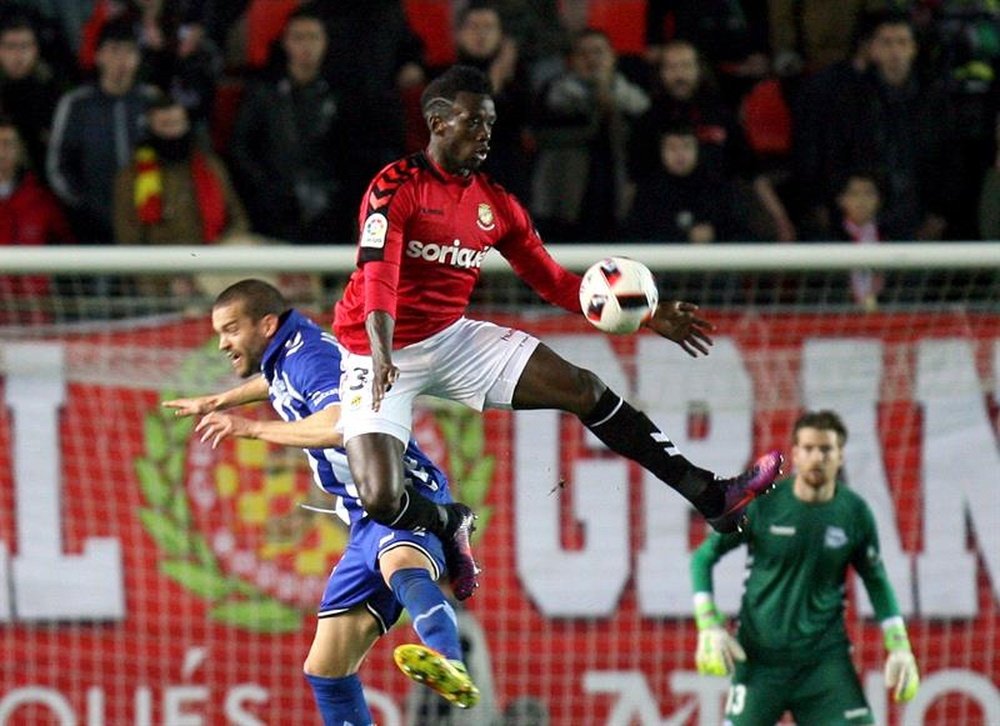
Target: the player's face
(893, 50)
(859, 200)
(305, 43)
(679, 154)
(465, 136)
(679, 71)
(18, 53)
(818, 456)
(481, 33)
(10, 151)
(240, 337)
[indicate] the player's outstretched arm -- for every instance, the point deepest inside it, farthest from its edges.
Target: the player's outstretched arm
(678, 321)
(250, 392)
(316, 431)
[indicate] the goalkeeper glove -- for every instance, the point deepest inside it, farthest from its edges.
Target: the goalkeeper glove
(717, 650)
(901, 674)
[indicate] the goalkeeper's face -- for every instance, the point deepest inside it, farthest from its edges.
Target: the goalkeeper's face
(241, 338)
(818, 456)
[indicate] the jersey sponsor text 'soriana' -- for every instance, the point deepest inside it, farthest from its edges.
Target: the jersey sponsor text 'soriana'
(424, 234)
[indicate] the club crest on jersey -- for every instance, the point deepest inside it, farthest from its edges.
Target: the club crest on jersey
(835, 538)
(374, 232)
(485, 221)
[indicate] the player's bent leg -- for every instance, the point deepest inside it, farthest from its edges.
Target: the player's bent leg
(437, 662)
(549, 381)
(376, 461)
(331, 668)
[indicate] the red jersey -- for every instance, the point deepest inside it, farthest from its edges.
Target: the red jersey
(424, 234)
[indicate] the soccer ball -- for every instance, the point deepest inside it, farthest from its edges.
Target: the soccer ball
(618, 295)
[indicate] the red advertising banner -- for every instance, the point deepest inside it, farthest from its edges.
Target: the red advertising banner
(148, 579)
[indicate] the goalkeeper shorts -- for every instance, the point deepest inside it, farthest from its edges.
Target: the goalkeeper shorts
(825, 691)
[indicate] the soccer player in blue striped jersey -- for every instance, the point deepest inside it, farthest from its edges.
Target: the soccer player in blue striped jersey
(291, 361)
(791, 651)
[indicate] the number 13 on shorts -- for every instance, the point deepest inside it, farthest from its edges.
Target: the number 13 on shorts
(736, 699)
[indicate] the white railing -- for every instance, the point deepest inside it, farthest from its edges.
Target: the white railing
(333, 259)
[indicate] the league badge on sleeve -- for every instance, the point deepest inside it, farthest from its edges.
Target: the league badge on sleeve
(374, 232)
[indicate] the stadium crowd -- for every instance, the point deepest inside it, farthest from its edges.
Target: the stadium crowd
(190, 121)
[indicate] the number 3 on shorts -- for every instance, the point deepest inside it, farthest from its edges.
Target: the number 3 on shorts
(357, 378)
(736, 699)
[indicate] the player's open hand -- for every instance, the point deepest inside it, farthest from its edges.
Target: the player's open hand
(678, 321)
(217, 427)
(197, 406)
(385, 374)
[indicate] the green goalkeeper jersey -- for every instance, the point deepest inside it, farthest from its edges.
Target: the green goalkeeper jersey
(797, 559)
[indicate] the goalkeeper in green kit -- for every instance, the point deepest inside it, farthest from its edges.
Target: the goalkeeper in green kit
(791, 651)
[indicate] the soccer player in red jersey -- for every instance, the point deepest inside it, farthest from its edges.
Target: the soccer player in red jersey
(427, 222)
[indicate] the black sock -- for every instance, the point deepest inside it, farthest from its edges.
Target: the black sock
(630, 433)
(417, 511)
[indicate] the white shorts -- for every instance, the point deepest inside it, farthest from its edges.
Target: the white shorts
(471, 362)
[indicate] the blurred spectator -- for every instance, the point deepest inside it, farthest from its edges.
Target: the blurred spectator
(176, 55)
(581, 190)
(859, 202)
(28, 89)
(683, 200)
(989, 198)
(55, 45)
(374, 61)
(685, 96)
(174, 193)
(965, 45)
(94, 131)
(70, 17)
(288, 144)
(808, 35)
(732, 33)
(542, 37)
(892, 121)
(815, 97)
(480, 42)
(29, 215)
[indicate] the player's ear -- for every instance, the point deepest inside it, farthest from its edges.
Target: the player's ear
(435, 124)
(270, 323)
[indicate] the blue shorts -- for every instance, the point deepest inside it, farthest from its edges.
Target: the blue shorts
(357, 579)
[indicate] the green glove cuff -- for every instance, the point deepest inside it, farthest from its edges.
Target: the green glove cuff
(706, 615)
(895, 637)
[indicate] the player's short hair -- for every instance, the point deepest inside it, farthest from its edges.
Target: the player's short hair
(678, 128)
(441, 93)
(304, 12)
(823, 420)
(18, 21)
(872, 175)
(874, 21)
(259, 298)
(477, 6)
(119, 30)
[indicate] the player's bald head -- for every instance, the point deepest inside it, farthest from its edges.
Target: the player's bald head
(440, 94)
(258, 298)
